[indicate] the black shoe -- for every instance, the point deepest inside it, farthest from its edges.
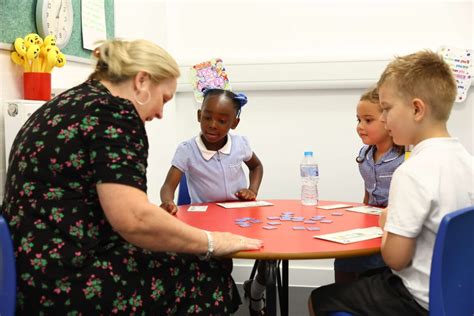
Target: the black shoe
(247, 288)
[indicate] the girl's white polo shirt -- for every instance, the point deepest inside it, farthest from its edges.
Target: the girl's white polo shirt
(213, 176)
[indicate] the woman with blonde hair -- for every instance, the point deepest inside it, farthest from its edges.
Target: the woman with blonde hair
(88, 241)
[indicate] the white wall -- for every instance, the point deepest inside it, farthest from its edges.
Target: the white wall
(284, 54)
(314, 29)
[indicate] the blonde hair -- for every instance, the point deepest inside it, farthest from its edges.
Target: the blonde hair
(119, 60)
(371, 95)
(424, 75)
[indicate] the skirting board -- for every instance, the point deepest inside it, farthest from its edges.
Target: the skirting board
(298, 276)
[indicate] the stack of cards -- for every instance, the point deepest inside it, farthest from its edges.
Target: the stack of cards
(334, 206)
(247, 221)
(353, 235)
(366, 210)
(275, 221)
(244, 204)
(197, 208)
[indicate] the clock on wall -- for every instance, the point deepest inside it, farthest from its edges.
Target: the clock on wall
(55, 17)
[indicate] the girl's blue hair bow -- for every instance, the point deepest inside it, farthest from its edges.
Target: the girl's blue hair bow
(239, 97)
(242, 98)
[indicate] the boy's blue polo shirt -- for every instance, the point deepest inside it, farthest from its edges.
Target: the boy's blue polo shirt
(378, 175)
(213, 176)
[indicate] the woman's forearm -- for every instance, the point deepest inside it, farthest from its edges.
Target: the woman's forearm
(160, 231)
(146, 225)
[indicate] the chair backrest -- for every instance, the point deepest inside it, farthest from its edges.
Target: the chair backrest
(183, 193)
(7, 271)
(452, 266)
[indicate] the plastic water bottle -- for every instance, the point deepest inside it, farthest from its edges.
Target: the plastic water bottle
(309, 179)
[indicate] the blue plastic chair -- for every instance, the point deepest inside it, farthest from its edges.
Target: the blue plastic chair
(7, 271)
(183, 193)
(452, 266)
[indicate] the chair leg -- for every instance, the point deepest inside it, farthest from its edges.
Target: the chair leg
(254, 270)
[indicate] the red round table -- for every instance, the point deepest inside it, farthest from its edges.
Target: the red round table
(284, 243)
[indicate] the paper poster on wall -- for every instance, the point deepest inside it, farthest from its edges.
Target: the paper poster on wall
(208, 74)
(93, 23)
(460, 61)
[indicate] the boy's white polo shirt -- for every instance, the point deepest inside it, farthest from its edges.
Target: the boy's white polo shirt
(435, 180)
(213, 176)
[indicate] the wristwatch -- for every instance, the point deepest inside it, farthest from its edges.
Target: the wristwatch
(210, 247)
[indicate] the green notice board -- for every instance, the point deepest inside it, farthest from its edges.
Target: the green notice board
(18, 18)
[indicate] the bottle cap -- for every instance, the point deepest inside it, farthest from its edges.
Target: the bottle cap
(308, 154)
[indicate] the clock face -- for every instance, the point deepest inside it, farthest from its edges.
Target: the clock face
(55, 17)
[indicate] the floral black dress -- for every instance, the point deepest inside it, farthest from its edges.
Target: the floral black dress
(69, 259)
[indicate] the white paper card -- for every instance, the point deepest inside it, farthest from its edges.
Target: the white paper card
(244, 204)
(366, 210)
(334, 206)
(353, 235)
(93, 22)
(197, 208)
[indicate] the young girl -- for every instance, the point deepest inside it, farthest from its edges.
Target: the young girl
(212, 161)
(377, 161)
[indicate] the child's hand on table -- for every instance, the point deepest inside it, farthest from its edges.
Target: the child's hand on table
(170, 207)
(246, 195)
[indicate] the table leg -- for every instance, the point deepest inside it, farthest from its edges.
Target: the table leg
(278, 277)
(271, 303)
(284, 289)
(276, 281)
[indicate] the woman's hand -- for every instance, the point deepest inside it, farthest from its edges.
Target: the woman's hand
(246, 195)
(227, 243)
(170, 207)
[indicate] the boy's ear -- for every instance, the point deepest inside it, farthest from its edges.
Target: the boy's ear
(419, 109)
(199, 116)
(236, 122)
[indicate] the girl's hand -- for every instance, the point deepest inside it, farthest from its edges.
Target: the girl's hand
(246, 195)
(227, 243)
(170, 207)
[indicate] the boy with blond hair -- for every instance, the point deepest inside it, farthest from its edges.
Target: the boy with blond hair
(416, 92)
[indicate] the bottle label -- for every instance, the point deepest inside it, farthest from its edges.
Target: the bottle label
(309, 171)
